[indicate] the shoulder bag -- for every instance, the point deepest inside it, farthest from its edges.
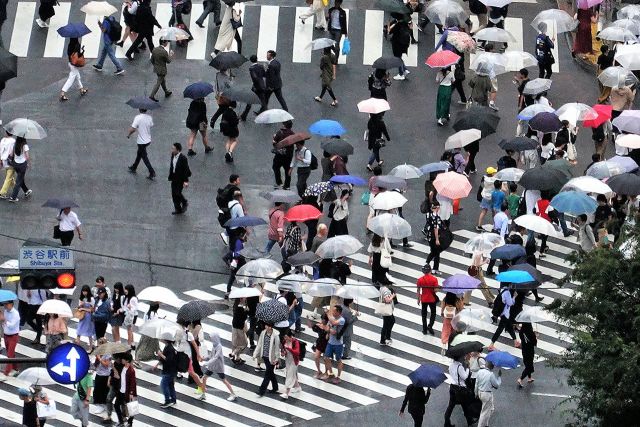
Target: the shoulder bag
(133, 408)
(79, 314)
(46, 411)
(383, 308)
(385, 257)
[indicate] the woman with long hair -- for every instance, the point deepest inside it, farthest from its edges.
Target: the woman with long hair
(20, 163)
(74, 53)
(229, 128)
(130, 30)
(130, 309)
(86, 327)
(102, 313)
(116, 309)
(238, 332)
(378, 273)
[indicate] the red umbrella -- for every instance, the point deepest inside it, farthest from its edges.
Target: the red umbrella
(452, 185)
(292, 139)
(302, 213)
(442, 58)
(604, 114)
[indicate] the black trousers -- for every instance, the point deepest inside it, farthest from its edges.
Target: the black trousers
(29, 316)
(303, 175)
(141, 154)
(101, 329)
(431, 308)
(387, 325)
(471, 164)
(251, 333)
(221, 109)
(528, 352)
(503, 324)
(46, 10)
(434, 254)
(179, 202)
(278, 93)
(453, 401)
(459, 86)
(210, 6)
(269, 377)
(279, 163)
(176, 17)
(138, 41)
(417, 418)
(66, 237)
(545, 70)
(120, 407)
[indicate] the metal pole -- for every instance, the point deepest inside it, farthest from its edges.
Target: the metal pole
(23, 360)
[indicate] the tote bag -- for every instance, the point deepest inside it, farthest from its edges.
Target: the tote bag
(46, 411)
(384, 309)
(133, 408)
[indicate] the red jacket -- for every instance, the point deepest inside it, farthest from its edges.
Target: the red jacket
(130, 379)
(294, 350)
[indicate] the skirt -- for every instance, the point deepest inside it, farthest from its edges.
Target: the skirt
(147, 348)
(238, 340)
(443, 102)
(117, 320)
(54, 340)
(291, 372)
(446, 330)
(86, 328)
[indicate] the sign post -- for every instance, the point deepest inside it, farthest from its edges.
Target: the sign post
(68, 363)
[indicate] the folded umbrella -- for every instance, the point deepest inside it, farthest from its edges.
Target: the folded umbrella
(281, 196)
(545, 122)
(303, 258)
(452, 185)
(625, 162)
(292, 139)
(195, 310)
(6, 295)
(327, 128)
(8, 65)
(604, 169)
(302, 213)
(391, 226)
(495, 34)
(518, 143)
(534, 315)
(60, 203)
(470, 320)
(245, 221)
(515, 276)
(348, 179)
(510, 174)
(604, 113)
(25, 128)
(542, 178)
(628, 121)
(626, 184)
(588, 184)
(508, 252)
(272, 312)
(574, 202)
(143, 103)
(628, 140)
(462, 138)
(99, 8)
(246, 292)
(387, 63)
(358, 290)
(172, 34)
(536, 224)
(74, 30)
(241, 93)
(55, 306)
(517, 60)
(406, 172)
(483, 242)
(388, 200)
(390, 182)
(477, 117)
(502, 359)
(373, 106)
(198, 90)
(337, 146)
(536, 86)
(460, 282)
(321, 43)
(274, 115)
(38, 376)
(157, 293)
(111, 348)
(442, 59)
(156, 328)
(463, 349)
(428, 375)
(575, 112)
(338, 247)
(562, 20)
(530, 112)
(435, 167)
(318, 188)
(261, 268)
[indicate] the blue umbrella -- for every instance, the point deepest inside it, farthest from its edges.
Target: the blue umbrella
(574, 202)
(515, 276)
(502, 359)
(434, 167)
(461, 282)
(327, 128)
(508, 252)
(245, 221)
(348, 179)
(198, 90)
(6, 295)
(74, 29)
(427, 375)
(143, 103)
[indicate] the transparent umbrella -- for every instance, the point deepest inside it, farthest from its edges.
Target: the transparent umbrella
(536, 86)
(510, 174)
(390, 225)
(563, 21)
(25, 128)
(575, 112)
(274, 115)
(388, 200)
(616, 77)
(172, 34)
(631, 11)
(495, 34)
(604, 169)
(321, 43)
(588, 184)
(629, 60)
(517, 60)
(631, 25)
(358, 290)
(489, 64)
(616, 34)
(325, 287)
(39, 376)
(262, 268)
(406, 172)
(292, 282)
(439, 10)
(339, 246)
(471, 320)
(483, 242)
(530, 112)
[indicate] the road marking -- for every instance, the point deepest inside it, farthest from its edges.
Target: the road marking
(22, 27)
(54, 46)
(412, 54)
(373, 37)
(268, 31)
(562, 396)
(239, 7)
(91, 41)
(163, 15)
(342, 59)
(197, 48)
(302, 36)
(553, 32)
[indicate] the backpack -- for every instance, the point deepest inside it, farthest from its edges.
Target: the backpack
(224, 215)
(303, 350)
(115, 29)
(498, 304)
(182, 361)
(314, 162)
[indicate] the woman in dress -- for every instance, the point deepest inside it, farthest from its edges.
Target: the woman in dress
(130, 309)
(147, 346)
(238, 332)
(528, 341)
(74, 51)
(86, 305)
(197, 122)
(20, 163)
(449, 307)
(229, 128)
(55, 331)
(445, 78)
(320, 328)
(117, 316)
(582, 42)
(340, 215)
(215, 364)
(130, 30)
(227, 33)
(327, 75)
(291, 354)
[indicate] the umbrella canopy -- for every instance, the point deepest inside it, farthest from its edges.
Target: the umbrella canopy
(518, 143)
(241, 93)
(388, 200)
(461, 40)
(172, 34)
(74, 29)
(157, 293)
(517, 60)
(588, 184)
(575, 112)
(303, 258)
(348, 179)
(143, 103)
(60, 203)
(483, 242)
(496, 3)
(339, 246)
(617, 34)
(530, 112)
(272, 312)
(327, 128)
(155, 328)
(502, 359)
(463, 349)
(387, 63)
(292, 282)
(406, 172)
(574, 202)
(460, 282)
(55, 306)
(392, 6)
(515, 276)
(337, 146)
(442, 59)
(626, 184)
(489, 64)
(292, 139)
(536, 224)
(545, 122)
(318, 188)
(508, 252)
(537, 276)
(7, 295)
(390, 182)
(462, 138)
(428, 375)
(604, 169)
(441, 11)
(477, 117)
(227, 60)
(390, 225)
(631, 25)
(510, 174)
(470, 320)
(275, 115)
(587, 4)
(630, 11)
(39, 376)
(322, 288)
(452, 185)
(604, 113)
(321, 43)
(245, 221)
(261, 268)
(542, 178)
(534, 314)
(25, 128)
(8, 65)
(195, 310)
(247, 292)
(629, 60)
(628, 140)
(111, 348)
(358, 290)
(495, 34)
(302, 213)
(434, 167)
(198, 90)
(373, 106)
(281, 196)
(99, 8)
(536, 86)
(563, 21)
(628, 121)
(625, 162)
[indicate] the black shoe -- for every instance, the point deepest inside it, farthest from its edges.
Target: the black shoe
(430, 330)
(273, 391)
(218, 23)
(346, 357)
(176, 213)
(490, 273)
(393, 245)
(153, 99)
(151, 177)
(199, 25)
(227, 157)
(131, 169)
(129, 57)
(120, 43)
(407, 245)
(143, 46)
(168, 94)
(243, 118)
(191, 153)
(208, 149)
(539, 299)
(185, 206)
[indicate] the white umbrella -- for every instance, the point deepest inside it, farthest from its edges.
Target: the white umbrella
(495, 34)
(616, 34)
(630, 59)
(489, 64)
(39, 376)
(244, 292)
(157, 293)
(172, 34)
(339, 246)
(588, 184)
(274, 115)
(530, 112)
(510, 174)
(321, 43)
(390, 225)
(496, 3)
(517, 60)
(536, 224)
(261, 269)
(439, 10)
(563, 21)
(406, 172)
(26, 128)
(631, 11)
(373, 106)
(628, 140)
(534, 314)
(55, 306)
(10, 264)
(154, 328)
(462, 138)
(388, 200)
(292, 282)
(616, 77)
(99, 8)
(483, 242)
(324, 287)
(471, 319)
(536, 86)
(604, 169)
(630, 25)
(62, 291)
(358, 290)
(575, 112)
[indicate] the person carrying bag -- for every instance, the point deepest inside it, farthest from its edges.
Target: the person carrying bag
(385, 309)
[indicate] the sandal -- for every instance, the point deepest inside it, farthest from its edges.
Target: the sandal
(63, 98)
(83, 92)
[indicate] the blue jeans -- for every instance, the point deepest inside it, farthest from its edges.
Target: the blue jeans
(168, 387)
(298, 312)
(402, 68)
(375, 155)
(270, 244)
(108, 49)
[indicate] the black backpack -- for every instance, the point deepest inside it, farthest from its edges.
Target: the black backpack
(115, 29)
(314, 162)
(303, 350)
(182, 362)
(498, 304)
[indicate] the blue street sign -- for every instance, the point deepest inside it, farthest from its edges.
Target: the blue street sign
(68, 363)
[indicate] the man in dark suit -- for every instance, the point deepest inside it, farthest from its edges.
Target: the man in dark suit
(257, 73)
(337, 24)
(273, 80)
(179, 174)
(160, 57)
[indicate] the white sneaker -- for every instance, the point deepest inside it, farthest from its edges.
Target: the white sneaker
(3, 377)
(407, 72)
(41, 23)
(284, 396)
(398, 77)
(232, 397)
(203, 397)
(13, 373)
(493, 106)
(28, 193)
(296, 390)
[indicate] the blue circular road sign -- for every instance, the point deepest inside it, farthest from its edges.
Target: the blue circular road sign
(68, 363)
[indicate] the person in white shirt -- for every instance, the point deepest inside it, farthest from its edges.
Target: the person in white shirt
(501, 221)
(10, 319)
(458, 392)
(443, 101)
(130, 308)
(20, 163)
(6, 148)
(302, 161)
(69, 223)
(486, 383)
(340, 207)
(142, 123)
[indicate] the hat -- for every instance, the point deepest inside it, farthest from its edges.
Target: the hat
(491, 170)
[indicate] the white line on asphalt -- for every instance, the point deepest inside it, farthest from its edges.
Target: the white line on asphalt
(54, 46)
(302, 36)
(342, 59)
(91, 41)
(562, 396)
(22, 27)
(268, 31)
(373, 37)
(197, 48)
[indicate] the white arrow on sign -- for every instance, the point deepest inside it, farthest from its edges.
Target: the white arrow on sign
(61, 368)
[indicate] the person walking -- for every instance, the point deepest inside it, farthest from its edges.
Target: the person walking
(169, 359)
(273, 80)
(445, 79)
(316, 8)
(291, 351)
(301, 161)
(142, 123)
(160, 57)
(327, 75)
(117, 314)
(229, 128)
(506, 296)
(10, 326)
(55, 331)
(110, 34)
(350, 317)
(487, 187)
(417, 400)
(82, 398)
(147, 346)
(486, 383)
(29, 303)
(228, 31)
(335, 345)
(427, 298)
(339, 215)
(178, 7)
(458, 392)
(45, 12)
(179, 174)
(144, 21)
(378, 272)
(275, 233)
(238, 331)
(376, 131)
(6, 149)
(433, 228)
(129, 12)
(378, 82)
(267, 350)
(529, 342)
(477, 261)
(282, 157)
(449, 307)
(210, 6)
(337, 25)
(544, 55)
(68, 222)
(102, 313)
(20, 164)
(127, 391)
(387, 297)
(197, 122)
(86, 306)
(130, 307)
(215, 365)
(75, 56)
(258, 86)
(400, 34)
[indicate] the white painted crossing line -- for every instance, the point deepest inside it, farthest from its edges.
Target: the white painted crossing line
(342, 59)
(22, 27)
(91, 41)
(54, 47)
(411, 59)
(302, 36)
(163, 15)
(566, 247)
(197, 48)
(268, 30)
(373, 36)
(553, 33)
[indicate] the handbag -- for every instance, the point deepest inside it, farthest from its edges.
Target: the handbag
(383, 308)
(133, 408)
(572, 153)
(472, 271)
(56, 232)
(77, 60)
(79, 314)
(346, 46)
(446, 238)
(202, 126)
(379, 143)
(385, 257)
(46, 411)
(364, 199)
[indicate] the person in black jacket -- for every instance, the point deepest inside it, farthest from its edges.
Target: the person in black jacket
(528, 342)
(273, 80)
(337, 23)
(282, 156)
(169, 358)
(400, 40)
(179, 174)
(197, 121)
(145, 21)
(378, 82)
(417, 400)
(377, 129)
(259, 87)
(229, 128)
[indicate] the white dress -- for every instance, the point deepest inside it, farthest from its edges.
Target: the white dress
(226, 33)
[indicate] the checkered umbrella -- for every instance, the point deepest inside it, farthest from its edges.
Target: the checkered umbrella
(272, 312)
(195, 310)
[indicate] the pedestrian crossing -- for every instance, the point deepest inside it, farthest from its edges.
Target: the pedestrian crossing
(266, 27)
(372, 375)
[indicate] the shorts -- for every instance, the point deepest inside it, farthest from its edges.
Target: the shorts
(334, 349)
(486, 204)
(209, 373)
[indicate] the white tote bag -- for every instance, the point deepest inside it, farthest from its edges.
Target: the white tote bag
(384, 309)
(385, 255)
(133, 408)
(46, 411)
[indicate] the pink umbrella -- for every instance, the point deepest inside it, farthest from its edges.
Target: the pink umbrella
(442, 58)
(452, 185)
(373, 106)
(588, 4)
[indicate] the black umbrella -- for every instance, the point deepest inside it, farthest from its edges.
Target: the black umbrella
(508, 251)
(195, 310)
(226, 60)
(8, 65)
(60, 203)
(281, 196)
(242, 94)
(627, 184)
(543, 178)
(387, 63)
(143, 103)
(303, 258)
(519, 143)
(537, 276)
(393, 6)
(337, 146)
(484, 119)
(545, 122)
(464, 348)
(272, 312)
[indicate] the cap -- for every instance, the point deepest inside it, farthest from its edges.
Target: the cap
(491, 170)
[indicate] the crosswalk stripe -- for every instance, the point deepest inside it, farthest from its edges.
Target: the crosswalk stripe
(302, 36)
(565, 248)
(197, 48)
(553, 32)
(54, 47)
(241, 8)
(373, 37)
(412, 53)
(91, 41)
(268, 30)
(163, 15)
(342, 59)
(6, 413)
(22, 27)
